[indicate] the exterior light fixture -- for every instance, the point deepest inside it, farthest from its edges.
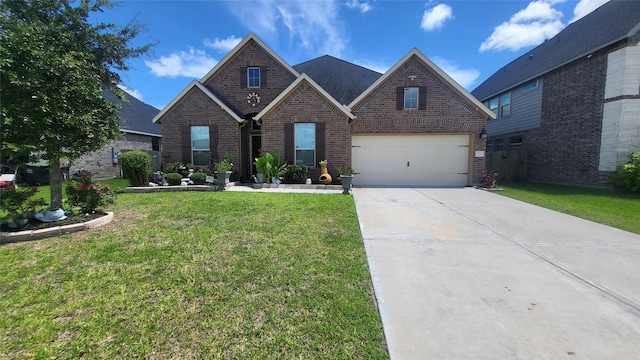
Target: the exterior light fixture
(483, 134)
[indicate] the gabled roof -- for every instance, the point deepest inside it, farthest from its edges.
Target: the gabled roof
(303, 78)
(251, 37)
(437, 72)
(610, 23)
(342, 79)
(196, 84)
(136, 116)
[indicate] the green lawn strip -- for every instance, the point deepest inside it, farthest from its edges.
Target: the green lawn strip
(196, 275)
(607, 207)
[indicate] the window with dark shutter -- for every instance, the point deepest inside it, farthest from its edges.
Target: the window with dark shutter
(263, 77)
(399, 98)
(186, 144)
(213, 142)
(422, 98)
(320, 148)
(243, 77)
(289, 146)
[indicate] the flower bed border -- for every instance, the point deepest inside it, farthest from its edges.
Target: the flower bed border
(30, 235)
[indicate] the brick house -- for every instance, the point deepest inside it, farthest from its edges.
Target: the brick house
(412, 125)
(572, 104)
(138, 133)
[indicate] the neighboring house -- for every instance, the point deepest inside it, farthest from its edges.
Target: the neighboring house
(139, 132)
(572, 104)
(413, 125)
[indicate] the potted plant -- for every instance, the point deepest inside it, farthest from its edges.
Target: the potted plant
(261, 168)
(223, 172)
(346, 176)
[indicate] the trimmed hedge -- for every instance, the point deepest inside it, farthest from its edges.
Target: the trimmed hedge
(173, 178)
(136, 167)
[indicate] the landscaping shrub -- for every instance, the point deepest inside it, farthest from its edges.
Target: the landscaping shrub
(173, 178)
(17, 201)
(136, 167)
(294, 174)
(198, 178)
(178, 167)
(90, 196)
(627, 178)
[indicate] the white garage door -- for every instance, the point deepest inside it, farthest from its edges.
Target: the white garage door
(420, 160)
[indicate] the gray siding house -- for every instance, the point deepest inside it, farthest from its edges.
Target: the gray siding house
(139, 132)
(572, 104)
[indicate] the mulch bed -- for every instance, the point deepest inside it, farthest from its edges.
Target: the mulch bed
(35, 224)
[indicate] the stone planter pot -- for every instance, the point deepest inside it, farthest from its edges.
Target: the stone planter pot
(346, 183)
(223, 179)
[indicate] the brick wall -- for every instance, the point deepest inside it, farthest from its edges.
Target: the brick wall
(565, 148)
(197, 109)
(226, 84)
(447, 112)
(306, 105)
(100, 162)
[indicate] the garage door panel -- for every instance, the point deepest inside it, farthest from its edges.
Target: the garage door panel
(434, 160)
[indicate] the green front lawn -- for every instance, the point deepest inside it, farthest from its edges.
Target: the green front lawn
(196, 275)
(620, 210)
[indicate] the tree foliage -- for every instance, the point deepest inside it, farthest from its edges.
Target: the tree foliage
(54, 64)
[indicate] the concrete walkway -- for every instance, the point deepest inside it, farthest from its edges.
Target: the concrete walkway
(468, 274)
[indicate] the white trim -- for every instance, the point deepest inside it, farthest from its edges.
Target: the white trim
(222, 63)
(195, 83)
(292, 87)
(437, 71)
(139, 133)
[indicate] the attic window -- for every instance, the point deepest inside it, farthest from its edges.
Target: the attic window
(411, 98)
(253, 77)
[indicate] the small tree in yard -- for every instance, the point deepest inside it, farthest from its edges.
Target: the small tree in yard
(136, 167)
(54, 64)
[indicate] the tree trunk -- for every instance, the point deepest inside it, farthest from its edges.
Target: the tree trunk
(55, 179)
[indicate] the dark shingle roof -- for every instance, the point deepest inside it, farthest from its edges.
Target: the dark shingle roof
(136, 116)
(341, 79)
(606, 25)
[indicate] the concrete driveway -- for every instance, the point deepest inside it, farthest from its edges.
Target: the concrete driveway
(468, 274)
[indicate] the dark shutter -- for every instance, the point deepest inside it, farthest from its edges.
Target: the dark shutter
(213, 142)
(243, 77)
(289, 146)
(263, 77)
(320, 153)
(422, 98)
(399, 98)
(186, 144)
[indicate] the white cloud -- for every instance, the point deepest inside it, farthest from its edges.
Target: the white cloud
(222, 45)
(362, 6)
(584, 7)
(135, 93)
(466, 78)
(435, 17)
(194, 63)
(372, 65)
(537, 22)
(314, 24)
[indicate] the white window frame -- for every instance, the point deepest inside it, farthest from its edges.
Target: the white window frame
(195, 149)
(417, 98)
(296, 148)
(249, 70)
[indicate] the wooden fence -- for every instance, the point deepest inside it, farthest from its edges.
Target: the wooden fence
(510, 165)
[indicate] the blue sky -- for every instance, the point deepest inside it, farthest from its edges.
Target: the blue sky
(468, 39)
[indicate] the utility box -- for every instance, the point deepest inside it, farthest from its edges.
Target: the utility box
(37, 173)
